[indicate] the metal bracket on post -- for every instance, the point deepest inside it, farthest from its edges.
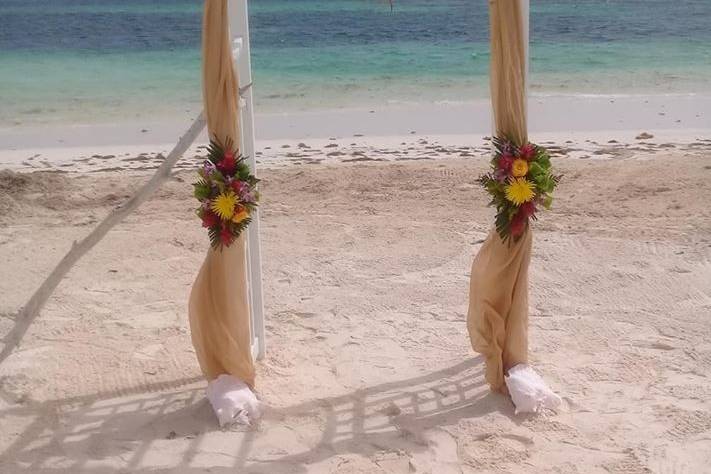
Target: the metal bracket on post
(239, 33)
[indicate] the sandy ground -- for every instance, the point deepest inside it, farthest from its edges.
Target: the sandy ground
(369, 368)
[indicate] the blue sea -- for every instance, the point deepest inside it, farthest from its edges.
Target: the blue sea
(107, 60)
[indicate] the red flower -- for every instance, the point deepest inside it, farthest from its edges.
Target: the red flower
(528, 151)
(518, 224)
(226, 236)
(228, 163)
(209, 218)
(505, 163)
(528, 208)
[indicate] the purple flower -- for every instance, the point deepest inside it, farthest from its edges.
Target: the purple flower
(243, 190)
(208, 167)
(508, 149)
(248, 197)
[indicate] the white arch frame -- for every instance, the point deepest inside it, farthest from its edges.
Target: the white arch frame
(239, 34)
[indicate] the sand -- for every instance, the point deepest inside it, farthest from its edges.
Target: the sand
(366, 260)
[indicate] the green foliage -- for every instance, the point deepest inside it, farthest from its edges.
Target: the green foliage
(216, 150)
(243, 172)
(548, 202)
(540, 172)
(503, 226)
(237, 229)
(493, 187)
(201, 190)
(546, 184)
(543, 159)
(536, 171)
(214, 234)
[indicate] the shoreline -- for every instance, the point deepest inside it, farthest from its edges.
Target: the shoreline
(278, 153)
(562, 114)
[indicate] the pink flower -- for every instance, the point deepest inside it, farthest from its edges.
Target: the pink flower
(238, 186)
(528, 151)
(209, 219)
(228, 163)
(243, 190)
(528, 208)
(518, 224)
(505, 163)
(226, 236)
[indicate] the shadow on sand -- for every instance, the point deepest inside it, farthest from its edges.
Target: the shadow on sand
(165, 428)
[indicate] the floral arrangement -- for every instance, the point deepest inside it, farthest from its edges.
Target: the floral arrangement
(520, 182)
(227, 192)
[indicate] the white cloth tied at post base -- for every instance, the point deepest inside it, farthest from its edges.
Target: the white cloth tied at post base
(233, 401)
(528, 391)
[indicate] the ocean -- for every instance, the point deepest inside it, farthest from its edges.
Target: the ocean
(87, 61)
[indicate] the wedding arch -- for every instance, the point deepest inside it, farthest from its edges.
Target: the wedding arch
(239, 34)
(226, 315)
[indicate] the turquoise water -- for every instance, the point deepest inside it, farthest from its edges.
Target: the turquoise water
(104, 60)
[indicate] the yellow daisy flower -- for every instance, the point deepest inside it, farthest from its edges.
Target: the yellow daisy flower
(519, 168)
(224, 205)
(240, 215)
(520, 190)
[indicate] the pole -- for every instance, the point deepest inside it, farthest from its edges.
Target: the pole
(239, 31)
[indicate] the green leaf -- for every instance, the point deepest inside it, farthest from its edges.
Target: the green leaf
(547, 184)
(201, 190)
(548, 202)
(544, 160)
(536, 171)
(214, 234)
(215, 151)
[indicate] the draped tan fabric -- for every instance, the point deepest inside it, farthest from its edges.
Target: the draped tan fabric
(498, 305)
(508, 69)
(497, 320)
(219, 82)
(219, 303)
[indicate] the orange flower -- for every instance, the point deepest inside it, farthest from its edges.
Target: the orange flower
(519, 168)
(241, 213)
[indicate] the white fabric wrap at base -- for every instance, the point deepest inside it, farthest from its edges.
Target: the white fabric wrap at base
(233, 401)
(528, 391)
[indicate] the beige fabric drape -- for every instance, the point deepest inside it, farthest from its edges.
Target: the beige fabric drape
(508, 69)
(498, 305)
(219, 303)
(498, 291)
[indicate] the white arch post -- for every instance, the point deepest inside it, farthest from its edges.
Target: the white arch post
(239, 33)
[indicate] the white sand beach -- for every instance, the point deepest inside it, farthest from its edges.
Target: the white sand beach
(368, 237)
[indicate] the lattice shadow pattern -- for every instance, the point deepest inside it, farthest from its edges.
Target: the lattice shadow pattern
(141, 429)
